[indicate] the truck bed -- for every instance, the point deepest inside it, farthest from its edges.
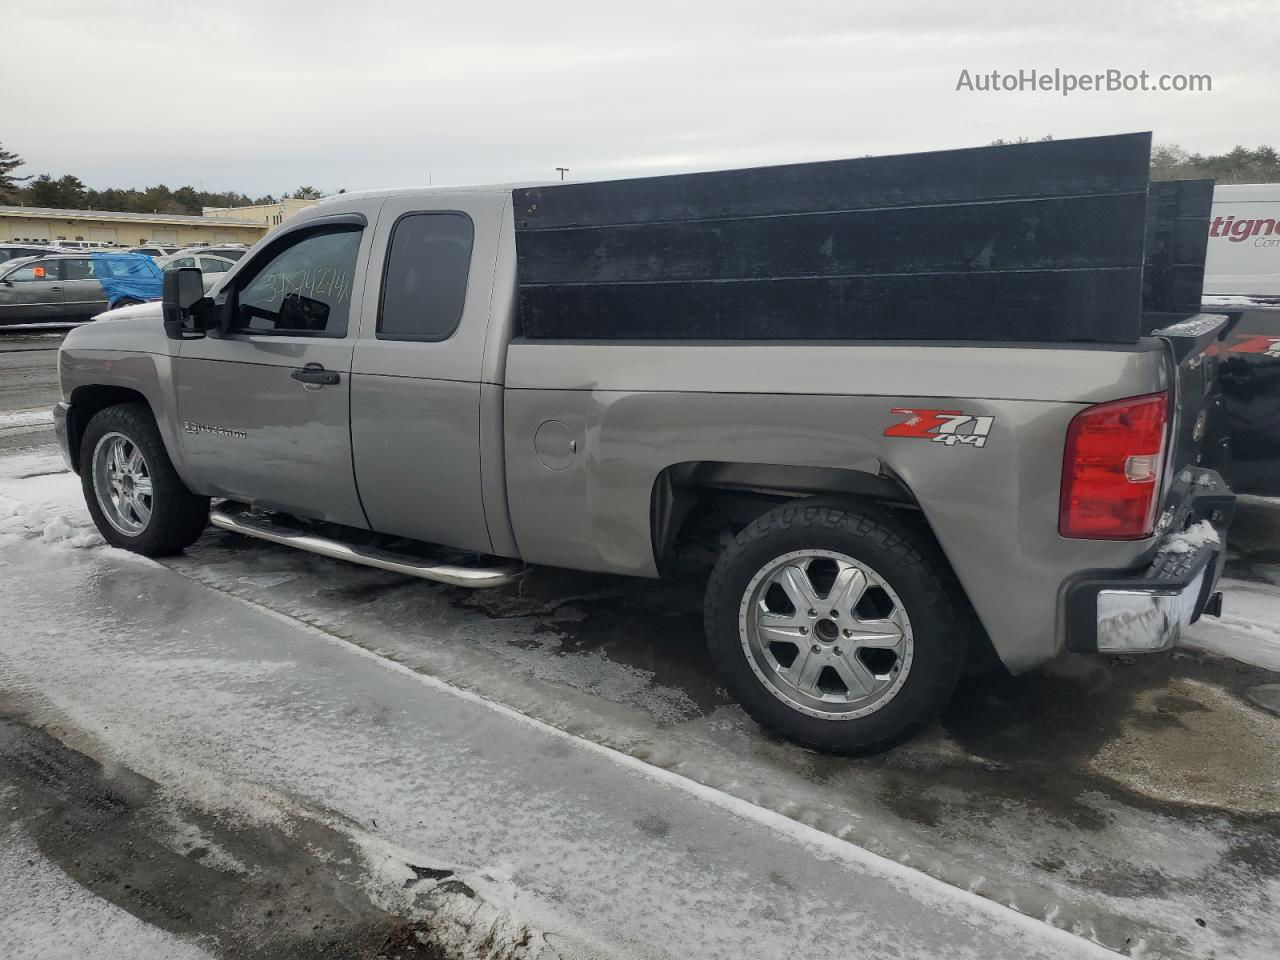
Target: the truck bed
(797, 417)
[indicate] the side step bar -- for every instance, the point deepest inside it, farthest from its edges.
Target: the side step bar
(233, 517)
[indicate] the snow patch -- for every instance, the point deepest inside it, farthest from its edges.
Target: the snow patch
(471, 915)
(26, 418)
(41, 499)
(1190, 539)
(267, 580)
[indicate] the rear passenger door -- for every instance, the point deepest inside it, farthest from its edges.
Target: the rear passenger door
(82, 295)
(416, 373)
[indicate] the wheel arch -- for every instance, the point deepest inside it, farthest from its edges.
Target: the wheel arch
(746, 490)
(741, 492)
(88, 400)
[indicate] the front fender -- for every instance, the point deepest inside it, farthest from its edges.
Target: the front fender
(93, 379)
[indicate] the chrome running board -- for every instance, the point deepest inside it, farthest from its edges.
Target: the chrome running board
(233, 517)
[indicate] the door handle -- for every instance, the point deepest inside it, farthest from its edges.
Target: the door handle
(315, 373)
(55, 288)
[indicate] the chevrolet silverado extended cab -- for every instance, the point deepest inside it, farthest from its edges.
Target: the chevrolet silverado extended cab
(876, 511)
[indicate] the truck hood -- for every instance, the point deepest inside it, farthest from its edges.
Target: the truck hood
(136, 328)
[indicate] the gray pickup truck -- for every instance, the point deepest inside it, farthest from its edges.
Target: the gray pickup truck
(875, 513)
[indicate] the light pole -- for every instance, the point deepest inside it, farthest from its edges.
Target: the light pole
(563, 171)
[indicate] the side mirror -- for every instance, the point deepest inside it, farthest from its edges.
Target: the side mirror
(183, 289)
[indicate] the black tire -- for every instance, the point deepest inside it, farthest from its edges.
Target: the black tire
(178, 516)
(907, 562)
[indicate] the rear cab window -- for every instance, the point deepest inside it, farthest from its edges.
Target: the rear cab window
(424, 284)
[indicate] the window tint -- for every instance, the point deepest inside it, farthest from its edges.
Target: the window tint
(303, 289)
(41, 270)
(425, 283)
(180, 262)
(77, 269)
(214, 265)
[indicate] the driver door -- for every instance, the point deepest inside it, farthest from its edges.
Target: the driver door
(266, 409)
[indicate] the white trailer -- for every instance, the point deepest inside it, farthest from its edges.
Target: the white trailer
(1244, 241)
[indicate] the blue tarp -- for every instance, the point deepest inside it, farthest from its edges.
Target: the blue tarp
(128, 275)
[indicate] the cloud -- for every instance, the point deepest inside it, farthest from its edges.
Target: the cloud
(264, 96)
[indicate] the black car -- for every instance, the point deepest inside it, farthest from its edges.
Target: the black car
(12, 251)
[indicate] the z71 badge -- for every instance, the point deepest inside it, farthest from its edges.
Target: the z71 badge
(951, 427)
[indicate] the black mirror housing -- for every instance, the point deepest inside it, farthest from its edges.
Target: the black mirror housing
(183, 289)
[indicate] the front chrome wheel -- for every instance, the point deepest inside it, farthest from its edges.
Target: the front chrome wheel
(122, 484)
(826, 634)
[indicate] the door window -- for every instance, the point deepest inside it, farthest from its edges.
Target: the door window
(425, 283)
(41, 270)
(302, 290)
(77, 269)
(180, 263)
(213, 265)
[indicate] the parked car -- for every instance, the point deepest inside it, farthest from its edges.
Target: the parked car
(14, 251)
(62, 289)
(80, 244)
(211, 266)
(151, 250)
(394, 365)
(127, 278)
(232, 251)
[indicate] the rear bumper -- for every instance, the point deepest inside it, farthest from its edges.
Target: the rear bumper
(1145, 610)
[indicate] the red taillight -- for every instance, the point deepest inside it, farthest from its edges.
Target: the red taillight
(1111, 469)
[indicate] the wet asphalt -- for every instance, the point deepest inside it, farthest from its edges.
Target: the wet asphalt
(248, 890)
(261, 789)
(1135, 799)
(28, 381)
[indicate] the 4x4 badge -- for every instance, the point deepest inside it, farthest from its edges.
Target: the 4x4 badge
(950, 427)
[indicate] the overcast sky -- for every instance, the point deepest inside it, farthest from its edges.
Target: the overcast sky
(263, 96)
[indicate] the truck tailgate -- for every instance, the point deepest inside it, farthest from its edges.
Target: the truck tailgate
(1199, 437)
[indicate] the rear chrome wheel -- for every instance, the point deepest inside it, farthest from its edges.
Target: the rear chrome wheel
(837, 624)
(122, 484)
(826, 634)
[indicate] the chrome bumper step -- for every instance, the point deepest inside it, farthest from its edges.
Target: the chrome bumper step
(235, 518)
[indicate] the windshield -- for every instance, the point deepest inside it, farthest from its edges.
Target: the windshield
(9, 265)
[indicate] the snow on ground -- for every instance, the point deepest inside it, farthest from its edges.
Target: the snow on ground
(39, 481)
(1249, 628)
(39, 497)
(579, 837)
